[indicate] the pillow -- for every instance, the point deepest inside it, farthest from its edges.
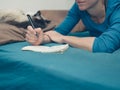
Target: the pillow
(10, 33)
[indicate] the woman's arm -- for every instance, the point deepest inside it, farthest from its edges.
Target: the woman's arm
(109, 41)
(69, 22)
(84, 43)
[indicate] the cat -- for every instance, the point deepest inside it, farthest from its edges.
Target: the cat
(19, 19)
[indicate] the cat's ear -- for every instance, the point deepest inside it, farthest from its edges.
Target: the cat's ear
(38, 13)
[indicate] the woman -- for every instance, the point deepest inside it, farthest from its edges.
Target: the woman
(100, 17)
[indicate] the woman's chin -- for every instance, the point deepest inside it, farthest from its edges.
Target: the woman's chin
(82, 8)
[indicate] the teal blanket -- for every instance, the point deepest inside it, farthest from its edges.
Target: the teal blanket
(75, 69)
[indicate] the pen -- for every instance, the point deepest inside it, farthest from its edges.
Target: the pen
(49, 28)
(31, 22)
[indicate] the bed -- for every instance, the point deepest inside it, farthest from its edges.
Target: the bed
(74, 69)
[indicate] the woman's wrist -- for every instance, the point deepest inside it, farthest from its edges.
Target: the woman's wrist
(46, 38)
(64, 38)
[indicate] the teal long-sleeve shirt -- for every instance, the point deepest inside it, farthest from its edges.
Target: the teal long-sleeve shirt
(107, 33)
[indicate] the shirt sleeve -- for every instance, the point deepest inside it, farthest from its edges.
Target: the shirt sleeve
(70, 20)
(109, 41)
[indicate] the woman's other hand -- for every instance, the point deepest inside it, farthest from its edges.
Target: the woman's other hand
(55, 36)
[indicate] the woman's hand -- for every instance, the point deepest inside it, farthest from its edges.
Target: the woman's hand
(34, 36)
(55, 36)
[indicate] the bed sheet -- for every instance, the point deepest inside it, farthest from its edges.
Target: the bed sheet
(75, 69)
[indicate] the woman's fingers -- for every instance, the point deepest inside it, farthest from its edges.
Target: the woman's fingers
(31, 32)
(34, 36)
(39, 33)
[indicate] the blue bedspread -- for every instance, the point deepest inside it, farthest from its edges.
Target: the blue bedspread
(75, 69)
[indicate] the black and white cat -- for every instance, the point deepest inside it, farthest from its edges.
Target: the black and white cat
(19, 19)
